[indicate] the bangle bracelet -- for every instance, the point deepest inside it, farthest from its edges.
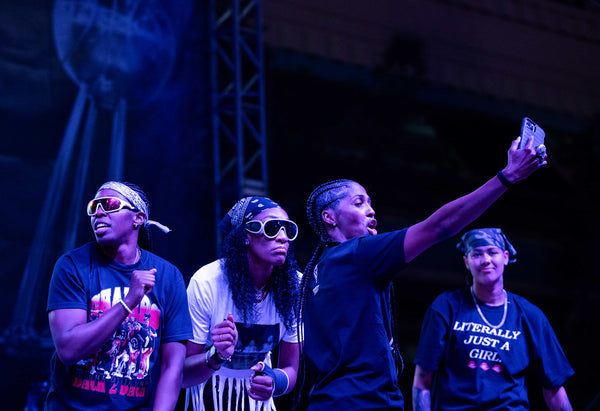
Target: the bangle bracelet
(125, 306)
(503, 179)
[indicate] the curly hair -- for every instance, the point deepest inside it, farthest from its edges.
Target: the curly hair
(283, 281)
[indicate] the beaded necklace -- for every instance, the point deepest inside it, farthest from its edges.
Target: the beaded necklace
(481, 313)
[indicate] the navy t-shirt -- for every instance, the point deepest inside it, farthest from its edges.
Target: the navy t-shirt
(347, 325)
(123, 374)
(478, 367)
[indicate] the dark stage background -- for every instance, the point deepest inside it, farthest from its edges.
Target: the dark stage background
(412, 99)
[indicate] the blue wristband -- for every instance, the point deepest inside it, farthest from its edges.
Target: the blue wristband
(281, 380)
(503, 179)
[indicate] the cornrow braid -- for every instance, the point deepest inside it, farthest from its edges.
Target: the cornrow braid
(305, 286)
(324, 196)
(144, 237)
(304, 290)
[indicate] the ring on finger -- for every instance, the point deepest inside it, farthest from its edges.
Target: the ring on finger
(541, 151)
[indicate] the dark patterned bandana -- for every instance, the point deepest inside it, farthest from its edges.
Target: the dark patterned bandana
(483, 237)
(245, 210)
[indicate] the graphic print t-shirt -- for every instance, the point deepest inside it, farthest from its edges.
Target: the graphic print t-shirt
(121, 374)
(210, 302)
(482, 367)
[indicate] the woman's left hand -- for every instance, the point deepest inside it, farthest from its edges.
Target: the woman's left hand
(261, 386)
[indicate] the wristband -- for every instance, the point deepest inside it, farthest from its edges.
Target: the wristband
(125, 306)
(503, 179)
(281, 381)
(210, 354)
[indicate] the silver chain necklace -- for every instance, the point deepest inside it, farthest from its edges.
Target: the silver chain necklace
(483, 317)
(262, 293)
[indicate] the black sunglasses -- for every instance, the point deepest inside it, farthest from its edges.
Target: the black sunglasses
(271, 228)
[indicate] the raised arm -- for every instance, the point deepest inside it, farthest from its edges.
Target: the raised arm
(76, 339)
(452, 217)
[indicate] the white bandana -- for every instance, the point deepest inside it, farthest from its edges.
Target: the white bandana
(135, 199)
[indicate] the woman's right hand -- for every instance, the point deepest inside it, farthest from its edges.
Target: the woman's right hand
(523, 162)
(141, 283)
(224, 337)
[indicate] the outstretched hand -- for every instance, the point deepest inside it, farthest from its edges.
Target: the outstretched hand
(225, 336)
(523, 162)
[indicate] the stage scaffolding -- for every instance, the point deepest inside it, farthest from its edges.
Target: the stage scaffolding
(238, 103)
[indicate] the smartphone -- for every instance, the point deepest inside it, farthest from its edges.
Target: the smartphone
(529, 128)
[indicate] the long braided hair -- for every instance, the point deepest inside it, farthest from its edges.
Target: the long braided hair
(326, 195)
(144, 236)
(283, 281)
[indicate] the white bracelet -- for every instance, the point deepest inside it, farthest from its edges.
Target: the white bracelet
(125, 306)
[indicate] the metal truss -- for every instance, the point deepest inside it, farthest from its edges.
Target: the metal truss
(238, 109)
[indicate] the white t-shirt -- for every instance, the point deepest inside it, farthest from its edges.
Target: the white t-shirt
(210, 301)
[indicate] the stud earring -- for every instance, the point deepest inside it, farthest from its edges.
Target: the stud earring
(247, 242)
(135, 226)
